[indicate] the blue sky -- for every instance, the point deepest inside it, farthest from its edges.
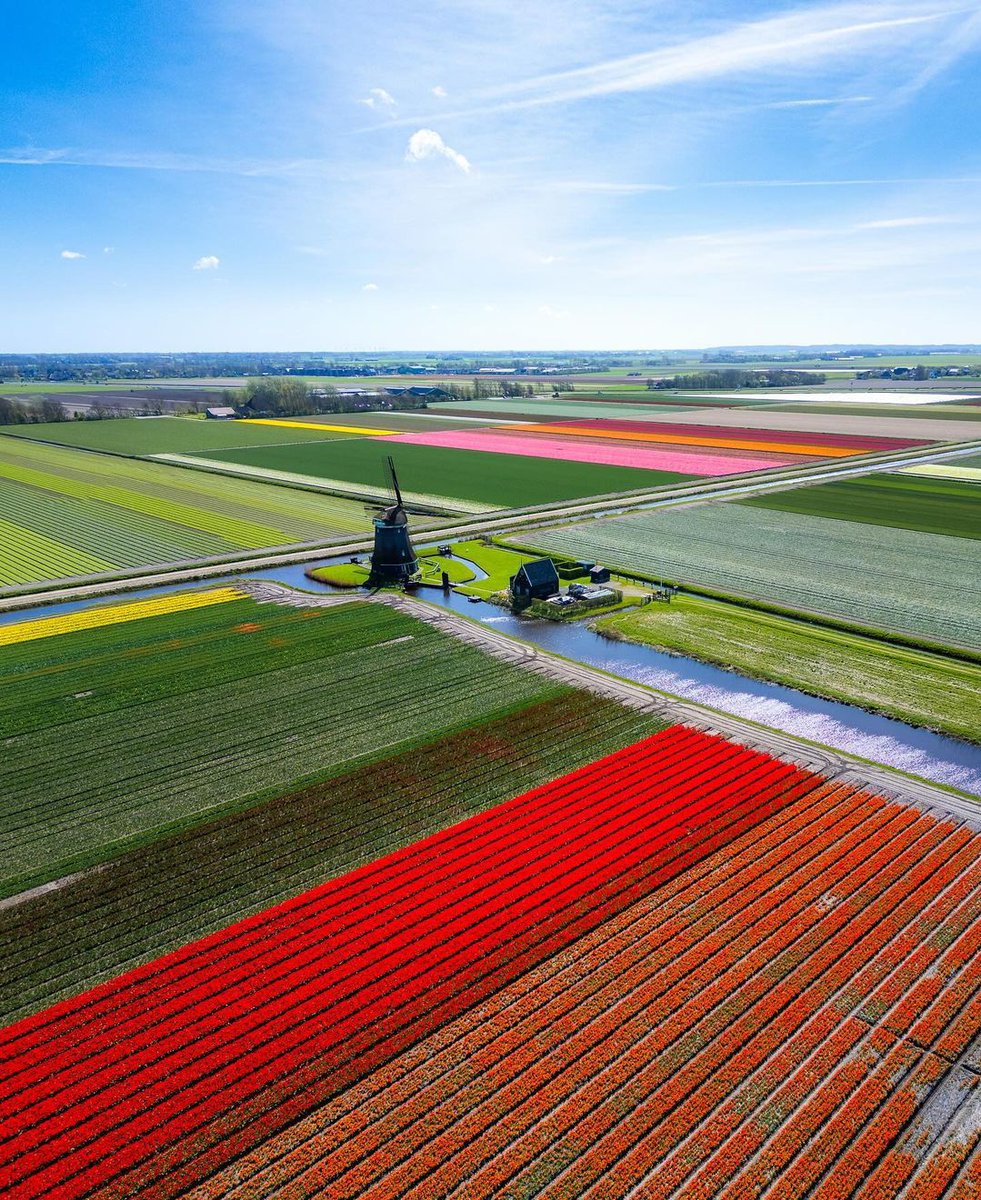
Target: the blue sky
(395, 174)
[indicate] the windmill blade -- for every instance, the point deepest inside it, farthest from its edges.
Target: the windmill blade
(395, 482)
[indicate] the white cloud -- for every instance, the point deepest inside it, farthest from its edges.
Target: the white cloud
(440, 92)
(905, 222)
(602, 187)
(426, 143)
(108, 249)
(379, 99)
(151, 160)
(781, 45)
(210, 262)
(823, 102)
(547, 259)
(72, 254)
(370, 287)
(546, 310)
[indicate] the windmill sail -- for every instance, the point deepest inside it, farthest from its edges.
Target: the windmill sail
(393, 559)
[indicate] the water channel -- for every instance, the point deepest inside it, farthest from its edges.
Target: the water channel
(878, 739)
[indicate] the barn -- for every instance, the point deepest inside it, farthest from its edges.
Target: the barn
(536, 580)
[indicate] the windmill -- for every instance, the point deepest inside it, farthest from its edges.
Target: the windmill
(393, 559)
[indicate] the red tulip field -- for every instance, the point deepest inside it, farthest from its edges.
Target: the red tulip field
(687, 969)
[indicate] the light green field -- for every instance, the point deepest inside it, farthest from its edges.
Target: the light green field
(167, 435)
(914, 686)
(944, 409)
(15, 388)
(921, 585)
(67, 513)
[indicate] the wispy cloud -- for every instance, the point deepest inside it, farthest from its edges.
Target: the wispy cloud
(427, 143)
(151, 160)
(210, 262)
(822, 102)
(370, 287)
(440, 92)
(601, 187)
(907, 222)
(955, 180)
(72, 254)
(787, 44)
(379, 99)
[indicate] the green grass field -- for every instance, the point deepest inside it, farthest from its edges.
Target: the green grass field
(900, 501)
(923, 689)
(66, 513)
(545, 409)
(920, 585)
(944, 410)
(502, 480)
(117, 736)
(161, 896)
(166, 435)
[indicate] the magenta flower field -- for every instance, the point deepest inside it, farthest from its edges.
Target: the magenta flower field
(685, 462)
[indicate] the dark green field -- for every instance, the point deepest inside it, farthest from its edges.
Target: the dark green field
(168, 435)
(183, 887)
(900, 501)
(117, 736)
(501, 480)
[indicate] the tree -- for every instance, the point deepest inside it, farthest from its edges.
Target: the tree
(48, 409)
(11, 413)
(287, 397)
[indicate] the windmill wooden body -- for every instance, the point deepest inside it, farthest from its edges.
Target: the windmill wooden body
(393, 559)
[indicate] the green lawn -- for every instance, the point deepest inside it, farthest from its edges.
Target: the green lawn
(502, 480)
(498, 563)
(158, 897)
(923, 689)
(117, 736)
(166, 435)
(943, 506)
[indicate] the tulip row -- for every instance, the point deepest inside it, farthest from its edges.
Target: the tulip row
(707, 1014)
(708, 1041)
(162, 1075)
(114, 614)
(370, 1114)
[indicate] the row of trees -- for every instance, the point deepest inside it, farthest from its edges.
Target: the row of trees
(36, 412)
(731, 378)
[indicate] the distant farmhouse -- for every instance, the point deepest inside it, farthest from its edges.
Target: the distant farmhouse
(221, 413)
(535, 580)
(417, 390)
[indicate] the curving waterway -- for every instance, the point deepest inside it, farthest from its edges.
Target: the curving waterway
(878, 739)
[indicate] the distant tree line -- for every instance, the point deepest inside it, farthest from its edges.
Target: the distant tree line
(36, 412)
(729, 378)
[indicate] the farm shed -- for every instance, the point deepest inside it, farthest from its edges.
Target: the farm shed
(599, 574)
(220, 414)
(536, 580)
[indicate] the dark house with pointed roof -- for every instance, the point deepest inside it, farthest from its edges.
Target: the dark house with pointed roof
(535, 580)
